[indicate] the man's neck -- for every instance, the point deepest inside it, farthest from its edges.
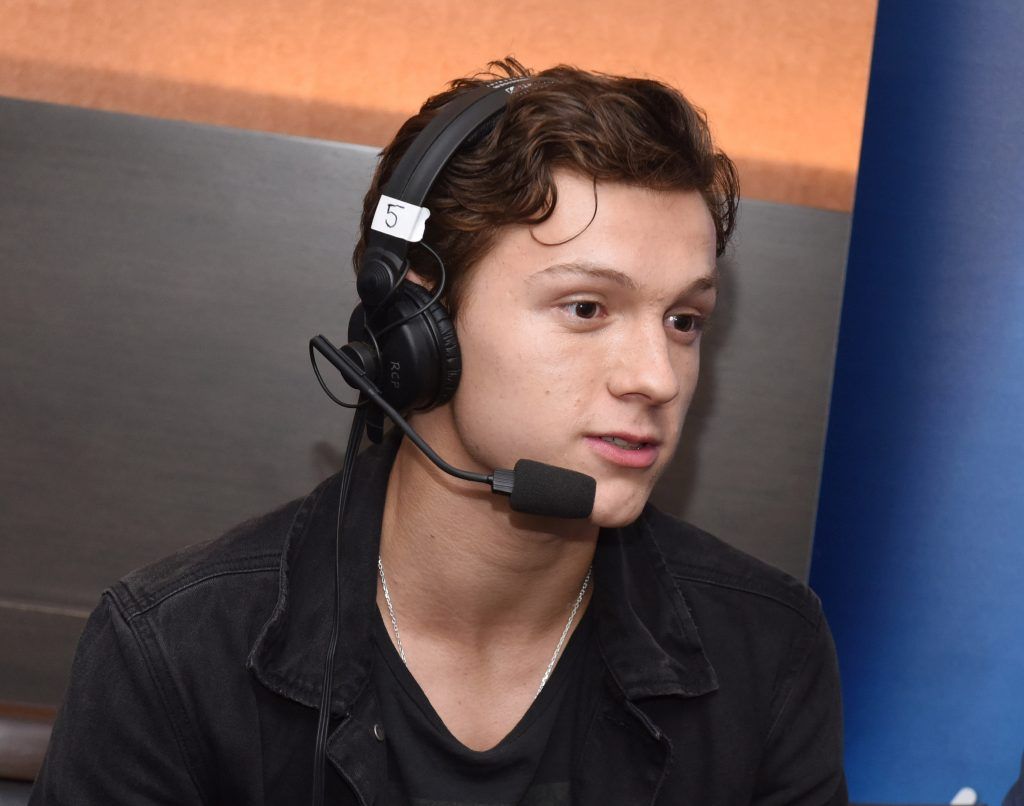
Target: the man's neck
(463, 569)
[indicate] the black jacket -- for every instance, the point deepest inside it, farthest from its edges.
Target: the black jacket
(197, 679)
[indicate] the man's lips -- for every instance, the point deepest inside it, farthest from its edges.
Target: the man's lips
(640, 450)
(630, 437)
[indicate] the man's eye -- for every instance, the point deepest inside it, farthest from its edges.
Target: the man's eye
(686, 322)
(584, 310)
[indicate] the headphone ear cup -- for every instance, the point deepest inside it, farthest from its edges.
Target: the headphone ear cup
(418, 362)
(435, 344)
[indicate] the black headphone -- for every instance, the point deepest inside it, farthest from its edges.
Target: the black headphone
(400, 334)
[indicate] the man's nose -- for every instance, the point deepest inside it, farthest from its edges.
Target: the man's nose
(644, 366)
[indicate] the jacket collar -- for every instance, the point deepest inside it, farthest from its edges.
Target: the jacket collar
(288, 655)
(647, 634)
(645, 630)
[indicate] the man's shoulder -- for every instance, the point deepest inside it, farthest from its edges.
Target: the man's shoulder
(253, 547)
(698, 560)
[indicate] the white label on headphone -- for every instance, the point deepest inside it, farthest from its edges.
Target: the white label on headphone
(400, 219)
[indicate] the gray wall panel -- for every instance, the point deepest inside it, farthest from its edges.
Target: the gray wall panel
(750, 458)
(160, 283)
(36, 648)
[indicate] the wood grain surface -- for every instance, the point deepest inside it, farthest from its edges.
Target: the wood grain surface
(784, 82)
(24, 734)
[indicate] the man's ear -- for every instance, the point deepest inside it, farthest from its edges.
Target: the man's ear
(415, 277)
(430, 285)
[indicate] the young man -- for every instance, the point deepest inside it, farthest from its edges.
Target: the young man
(486, 655)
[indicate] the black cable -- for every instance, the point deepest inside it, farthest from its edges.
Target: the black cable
(320, 753)
(323, 384)
(436, 296)
(356, 377)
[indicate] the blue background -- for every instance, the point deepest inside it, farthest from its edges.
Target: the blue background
(919, 546)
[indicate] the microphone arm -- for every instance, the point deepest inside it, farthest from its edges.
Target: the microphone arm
(533, 487)
(501, 481)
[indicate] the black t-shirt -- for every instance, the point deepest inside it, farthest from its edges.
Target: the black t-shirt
(531, 766)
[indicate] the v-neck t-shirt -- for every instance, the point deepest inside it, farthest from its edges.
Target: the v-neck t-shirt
(531, 766)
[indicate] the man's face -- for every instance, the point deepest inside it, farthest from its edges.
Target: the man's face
(585, 354)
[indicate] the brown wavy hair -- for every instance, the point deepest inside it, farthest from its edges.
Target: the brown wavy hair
(609, 128)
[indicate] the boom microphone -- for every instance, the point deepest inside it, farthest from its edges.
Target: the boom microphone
(541, 489)
(533, 488)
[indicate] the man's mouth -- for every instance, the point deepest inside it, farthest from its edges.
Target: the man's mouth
(631, 446)
(627, 450)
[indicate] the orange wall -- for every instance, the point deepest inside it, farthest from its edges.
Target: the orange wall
(783, 81)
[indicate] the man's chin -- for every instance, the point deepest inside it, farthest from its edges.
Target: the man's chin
(612, 512)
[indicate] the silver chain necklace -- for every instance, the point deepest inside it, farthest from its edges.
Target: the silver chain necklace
(558, 646)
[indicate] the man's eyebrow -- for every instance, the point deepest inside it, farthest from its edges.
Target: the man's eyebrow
(708, 282)
(593, 270)
(599, 272)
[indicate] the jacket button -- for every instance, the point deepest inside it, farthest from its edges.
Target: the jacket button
(378, 731)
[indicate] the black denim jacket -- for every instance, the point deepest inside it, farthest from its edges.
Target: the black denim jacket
(197, 679)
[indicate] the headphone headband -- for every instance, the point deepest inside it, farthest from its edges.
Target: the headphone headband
(400, 217)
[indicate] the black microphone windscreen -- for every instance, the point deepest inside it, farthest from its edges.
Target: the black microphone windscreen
(557, 492)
